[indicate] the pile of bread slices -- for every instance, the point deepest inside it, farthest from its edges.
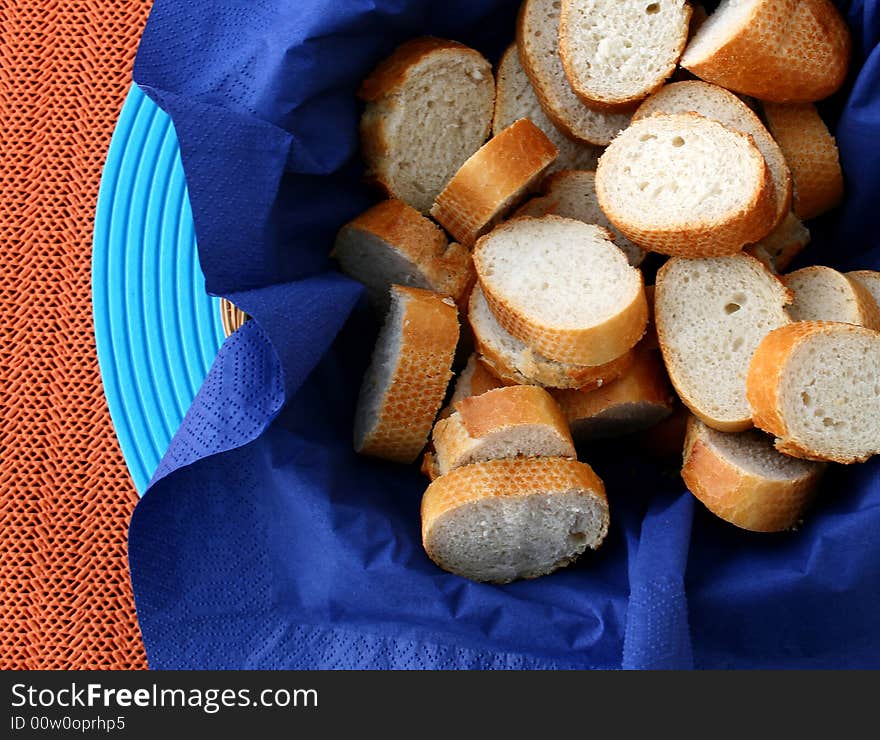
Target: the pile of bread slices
(596, 158)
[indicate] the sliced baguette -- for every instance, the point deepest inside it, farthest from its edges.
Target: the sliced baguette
(742, 479)
(515, 98)
(711, 314)
(781, 246)
(518, 421)
(494, 181)
(815, 385)
(572, 194)
(516, 363)
(823, 294)
(537, 39)
(429, 108)
(392, 243)
(637, 400)
(720, 105)
(474, 380)
(777, 50)
(406, 382)
(563, 288)
(812, 154)
(615, 54)
(501, 520)
(868, 279)
(686, 186)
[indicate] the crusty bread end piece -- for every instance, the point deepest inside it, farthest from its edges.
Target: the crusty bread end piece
(815, 385)
(429, 108)
(741, 478)
(537, 39)
(778, 50)
(406, 382)
(711, 314)
(501, 520)
(824, 294)
(393, 244)
(812, 155)
(685, 185)
(517, 421)
(615, 54)
(494, 181)
(563, 288)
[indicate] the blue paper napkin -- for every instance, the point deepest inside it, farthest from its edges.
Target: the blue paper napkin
(265, 542)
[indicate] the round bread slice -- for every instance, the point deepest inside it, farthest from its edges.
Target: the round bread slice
(637, 400)
(537, 39)
(518, 421)
(494, 181)
(429, 108)
(686, 186)
(778, 50)
(824, 294)
(815, 385)
(742, 479)
(563, 288)
(501, 520)
(812, 154)
(868, 279)
(780, 247)
(711, 314)
(515, 98)
(711, 101)
(572, 194)
(516, 363)
(406, 382)
(615, 54)
(394, 244)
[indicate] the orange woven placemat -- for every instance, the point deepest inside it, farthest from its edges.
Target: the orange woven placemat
(65, 494)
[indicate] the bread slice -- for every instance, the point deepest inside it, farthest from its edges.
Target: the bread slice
(812, 154)
(501, 520)
(515, 363)
(777, 50)
(686, 186)
(823, 294)
(816, 386)
(429, 108)
(474, 380)
(406, 382)
(572, 194)
(741, 478)
(563, 288)
(392, 243)
(868, 279)
(711, 314)
(665, 440)
(723, 106)
(537, 39)
(515, 98)
(494, 181)
(637, 400)
(615, 54)
(517, 421)
(782, 245)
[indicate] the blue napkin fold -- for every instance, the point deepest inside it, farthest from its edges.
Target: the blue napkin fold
(265, 542)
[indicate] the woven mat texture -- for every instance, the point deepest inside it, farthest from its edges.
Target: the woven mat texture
(65, 494)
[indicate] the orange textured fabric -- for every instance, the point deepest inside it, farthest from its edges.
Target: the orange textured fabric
(65, 494)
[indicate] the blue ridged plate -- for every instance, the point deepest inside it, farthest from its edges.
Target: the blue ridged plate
(156, 329)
